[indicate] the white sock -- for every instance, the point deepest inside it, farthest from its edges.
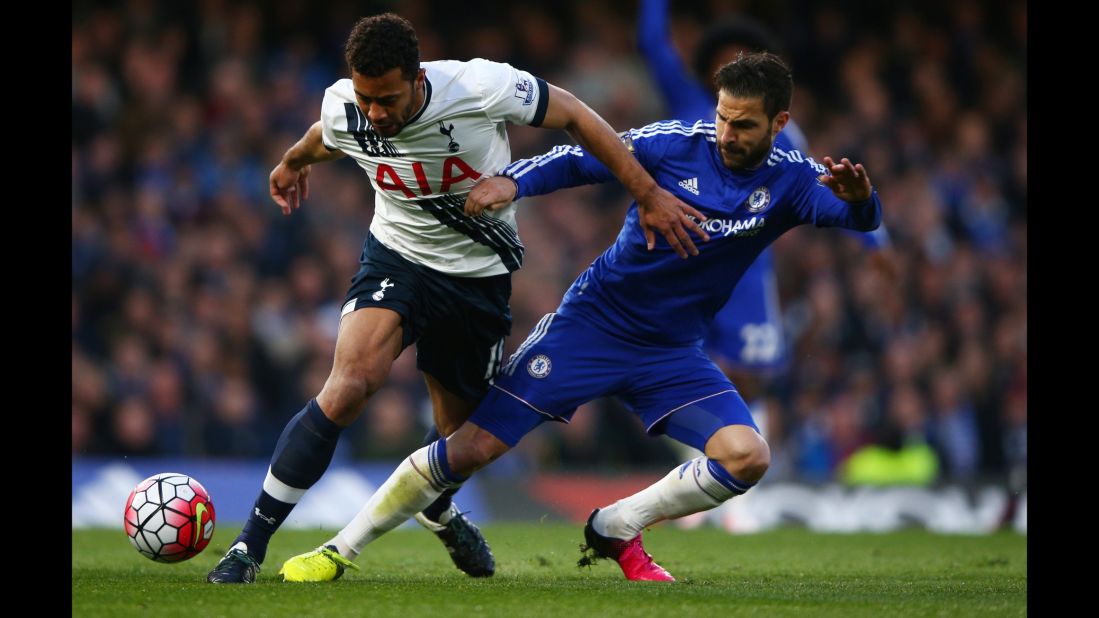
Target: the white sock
(415, 484)
(689, 488)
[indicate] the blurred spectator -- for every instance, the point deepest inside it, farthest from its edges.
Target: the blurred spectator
(954, 426)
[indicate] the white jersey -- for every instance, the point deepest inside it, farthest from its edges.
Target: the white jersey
(422, 175)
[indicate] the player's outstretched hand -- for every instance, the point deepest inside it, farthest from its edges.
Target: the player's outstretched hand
(660, 211)
(289, 187)
(848, 182)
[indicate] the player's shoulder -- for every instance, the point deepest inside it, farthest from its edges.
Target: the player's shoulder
(465, 80)
(444, 67)
(337, 101)
(342, 90)
(793, 160)
(472, 69)
(673, 133)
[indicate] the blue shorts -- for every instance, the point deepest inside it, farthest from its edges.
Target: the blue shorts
(457, 323)
(565, 362)
(746, 333)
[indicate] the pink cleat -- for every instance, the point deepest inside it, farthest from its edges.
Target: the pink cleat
(637, 565)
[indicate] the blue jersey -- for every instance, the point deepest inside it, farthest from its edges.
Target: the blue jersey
(747, 333)
(656, 297)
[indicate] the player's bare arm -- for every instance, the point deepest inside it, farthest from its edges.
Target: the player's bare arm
(289, 181)
(658, 210)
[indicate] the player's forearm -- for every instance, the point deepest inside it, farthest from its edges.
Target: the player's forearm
(685, 96)
(864, 216)
(652, 29)
(598, 138)
(310, 149)
(560, 168)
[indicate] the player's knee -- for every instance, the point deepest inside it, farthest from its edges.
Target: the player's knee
(755, 463)
(345, 393)
(743, 453)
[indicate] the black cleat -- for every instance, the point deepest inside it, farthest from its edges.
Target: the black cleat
(467, 547)
(237, 567)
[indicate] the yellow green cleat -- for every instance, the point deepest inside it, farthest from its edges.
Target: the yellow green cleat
(323, 564)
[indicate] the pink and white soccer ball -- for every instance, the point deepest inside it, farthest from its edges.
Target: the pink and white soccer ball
(169, 517)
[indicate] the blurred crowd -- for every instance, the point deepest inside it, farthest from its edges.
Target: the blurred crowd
(202, 319)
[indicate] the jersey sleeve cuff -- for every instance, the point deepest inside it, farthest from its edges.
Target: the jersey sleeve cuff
(543, 102)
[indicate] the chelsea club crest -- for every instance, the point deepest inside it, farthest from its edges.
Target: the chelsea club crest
(759, 199)
(539, 366)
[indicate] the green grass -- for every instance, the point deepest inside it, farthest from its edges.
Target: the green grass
(407, 574)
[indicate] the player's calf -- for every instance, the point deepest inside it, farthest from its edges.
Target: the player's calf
(472, 448)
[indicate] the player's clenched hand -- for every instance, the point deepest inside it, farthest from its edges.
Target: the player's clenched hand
(660, 211)
(490, 194)
(289, 187)
(848, 182)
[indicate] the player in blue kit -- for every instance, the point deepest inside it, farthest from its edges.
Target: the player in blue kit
(632, 324)
(746, 336)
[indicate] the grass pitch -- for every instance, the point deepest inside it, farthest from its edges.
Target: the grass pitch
(407, 573)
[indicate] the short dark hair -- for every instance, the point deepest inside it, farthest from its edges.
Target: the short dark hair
(381, 43)
(738, 31)
(754, 75)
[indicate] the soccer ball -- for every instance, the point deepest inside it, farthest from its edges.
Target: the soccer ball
(169, 517)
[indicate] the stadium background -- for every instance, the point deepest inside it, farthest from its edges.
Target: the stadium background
(202, 319)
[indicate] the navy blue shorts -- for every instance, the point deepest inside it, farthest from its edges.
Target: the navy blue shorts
(457, 323)
(565, 362)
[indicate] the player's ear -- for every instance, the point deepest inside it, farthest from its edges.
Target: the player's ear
(779, 122)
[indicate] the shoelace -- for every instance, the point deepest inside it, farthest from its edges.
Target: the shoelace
(335, 558)
(242, 556)
(461, 530)
(648, 557)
